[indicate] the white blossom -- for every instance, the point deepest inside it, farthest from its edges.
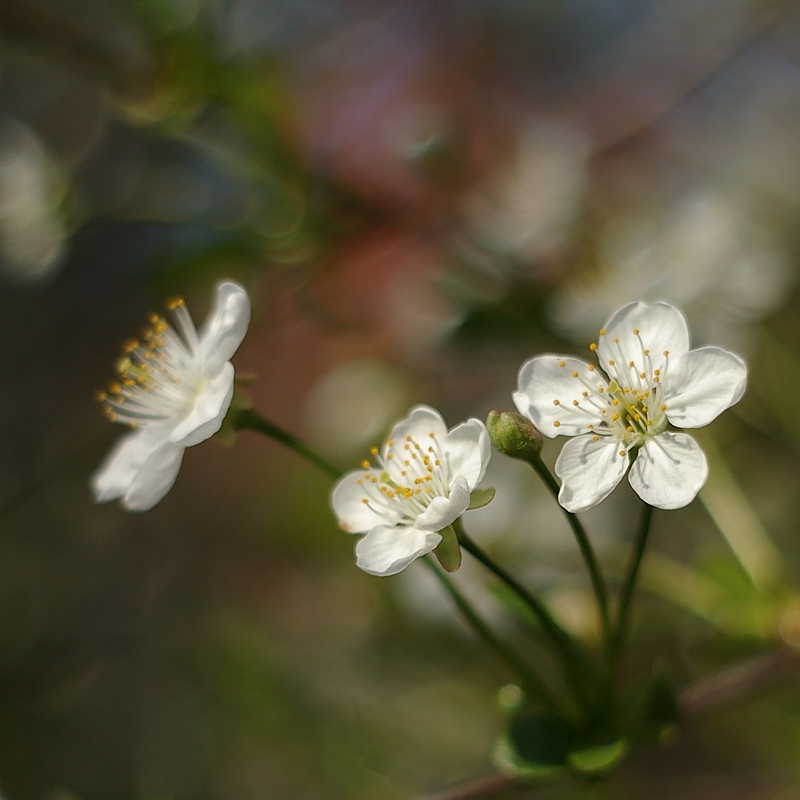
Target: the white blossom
(621, 419)
(174, 387)
(420, 483)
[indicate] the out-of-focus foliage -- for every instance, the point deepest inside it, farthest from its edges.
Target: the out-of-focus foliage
(418, 196)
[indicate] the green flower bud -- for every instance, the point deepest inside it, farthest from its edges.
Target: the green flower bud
(514, 435)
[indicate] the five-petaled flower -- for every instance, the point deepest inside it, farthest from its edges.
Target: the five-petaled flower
(174, 387)
(419, 485)
(653, 381)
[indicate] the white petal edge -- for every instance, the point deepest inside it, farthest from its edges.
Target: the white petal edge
(702, 384)
(208, 412)
(155, 478)
(386, 550)
(468, 450)
(669, 470)
(120, 467)
(420, 421)
(589, 471)
(349, 508)
(226, 325)
(661, 327)
(444, 511)
(542, 381)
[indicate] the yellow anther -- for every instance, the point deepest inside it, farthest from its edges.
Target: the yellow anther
(562, 363)
(432, 435)
(663, 408)
(666, 352)
(647, 352)
(129, 345)
(175, 302)
(556, 424)
(615, 402)
(601, 390)
(575, 403)
(631, 364)
(656, 372)
(611, 362)
(100, 396)
(615, 416)
(590, 368)
(642, 374)
(595, 438)
(408, 439)
(365, 501)
(114, 387)
(593, 346)
(615, 340)
(602, 331)
(590, 426)
(574, 374)
(584, 394)
(365, 464)
(629, 429)
(374, 451)
(622, 453)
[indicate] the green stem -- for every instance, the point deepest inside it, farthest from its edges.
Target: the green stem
(573, 659)
(530, 680)
(596, 576)
(628, 586)
(247, 419)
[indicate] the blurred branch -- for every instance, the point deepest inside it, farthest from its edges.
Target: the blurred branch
(736, 683)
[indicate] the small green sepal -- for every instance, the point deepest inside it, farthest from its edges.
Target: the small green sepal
(448, 551)
(598, 759)
(480, 498)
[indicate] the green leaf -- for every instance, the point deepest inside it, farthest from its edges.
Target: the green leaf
(598, 759)
(480, 498)
(448, 551)
(535, 746)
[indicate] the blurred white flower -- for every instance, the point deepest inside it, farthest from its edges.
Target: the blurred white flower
(174, 388)
(32, 233)
(707, 256)
(528, 205)
(421, 483)
(654, 380)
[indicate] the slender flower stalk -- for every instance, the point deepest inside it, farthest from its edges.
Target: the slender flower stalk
(247, 419)
(587, 551)
(629, 585)
(531, 682)
(571, 656)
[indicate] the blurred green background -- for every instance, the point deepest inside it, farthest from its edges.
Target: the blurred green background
(418, 196)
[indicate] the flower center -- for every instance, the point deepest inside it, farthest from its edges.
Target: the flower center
(406, 477)
(158, 376)
(629, 407)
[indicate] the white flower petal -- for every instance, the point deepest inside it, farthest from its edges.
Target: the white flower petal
(419, 423)
(702, 384)
(155, 478)
(669, 470)
(661, 328)
(119, 469)
(387, 550)
(467, 450)
(352, 513)
(224, 328)
(589, 470)
(444, 511)
(208, 412)
(549, 387)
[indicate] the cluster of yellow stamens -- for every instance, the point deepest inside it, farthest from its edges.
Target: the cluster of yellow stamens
(629, 407)
(406, 476)
(157, 374)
